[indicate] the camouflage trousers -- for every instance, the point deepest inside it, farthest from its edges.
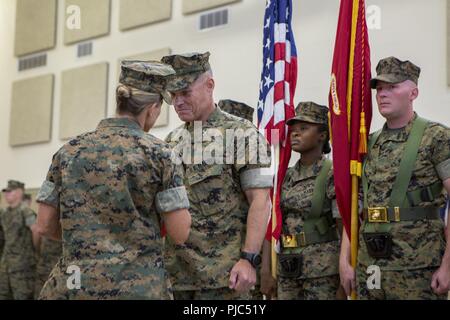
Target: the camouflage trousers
(43, 271)
(398, 285)
(323, 288)
(256, 294)
(16, 285)
(41, 278)
(210, 294)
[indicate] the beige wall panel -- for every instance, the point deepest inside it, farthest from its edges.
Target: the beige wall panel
(31, 113)
(95, 20)
(190, 6)
(448, 42)
(83, 99)
(35, 26)
(136, 13)
(163, 119)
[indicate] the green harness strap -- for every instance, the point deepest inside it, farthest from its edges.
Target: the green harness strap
(398, 196)
(314, 219)
(429, 193)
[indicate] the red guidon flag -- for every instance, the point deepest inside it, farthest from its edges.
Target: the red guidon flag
(350, 103)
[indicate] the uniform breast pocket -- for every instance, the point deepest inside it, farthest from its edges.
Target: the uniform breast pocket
(207, 185)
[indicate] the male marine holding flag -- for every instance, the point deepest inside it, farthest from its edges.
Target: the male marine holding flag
(404, 174)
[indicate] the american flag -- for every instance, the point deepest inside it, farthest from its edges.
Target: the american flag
(277, 88)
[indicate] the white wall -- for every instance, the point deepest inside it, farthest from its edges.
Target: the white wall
(411, 29)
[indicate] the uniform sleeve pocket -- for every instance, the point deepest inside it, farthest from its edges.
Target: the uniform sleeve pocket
(207, 187)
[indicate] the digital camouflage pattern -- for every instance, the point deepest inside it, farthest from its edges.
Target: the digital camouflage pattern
(320, 260)
(399, 285)
(296, 196)
(17, 264)
(393, 70)
(2, 241)
(238, 109)
(49, 253)
(323, 288)
(310, 112)
(188, 68)
(14, 184)
(111, 187)
(148, 76)
(416, 244)
(219, 208)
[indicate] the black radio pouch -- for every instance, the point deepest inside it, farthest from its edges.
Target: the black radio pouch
(290, 265)
(379, 244)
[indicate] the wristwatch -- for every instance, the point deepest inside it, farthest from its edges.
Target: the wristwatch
(253, 258)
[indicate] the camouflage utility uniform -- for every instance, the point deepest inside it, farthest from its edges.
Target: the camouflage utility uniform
(219, 213)
(200, 269)
(17, 263)
(308, 270)
(242, 110)
(49, 253)
(417, 244)
(236, 108)
(111, 187)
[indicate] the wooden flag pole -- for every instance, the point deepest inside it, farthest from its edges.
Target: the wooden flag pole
(354, 226)
(353, 166)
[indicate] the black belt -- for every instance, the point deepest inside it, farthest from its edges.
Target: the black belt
(396, 214)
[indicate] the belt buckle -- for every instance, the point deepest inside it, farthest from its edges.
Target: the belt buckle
(289, 241)
(377, 214)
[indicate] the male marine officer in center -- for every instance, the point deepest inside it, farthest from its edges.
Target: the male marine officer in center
(230, 202)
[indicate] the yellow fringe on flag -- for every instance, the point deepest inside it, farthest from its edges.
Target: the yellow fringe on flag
(362, 135)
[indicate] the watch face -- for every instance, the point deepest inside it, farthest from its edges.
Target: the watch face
(257, 260)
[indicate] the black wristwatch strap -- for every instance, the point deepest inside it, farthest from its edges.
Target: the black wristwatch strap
(253, 258)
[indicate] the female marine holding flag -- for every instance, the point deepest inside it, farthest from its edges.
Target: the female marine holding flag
(309, 257)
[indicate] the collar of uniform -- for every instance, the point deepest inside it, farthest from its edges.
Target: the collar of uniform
(216, 115)
(306, 172)
(8, 208)
(400, 134)
(119, 122)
